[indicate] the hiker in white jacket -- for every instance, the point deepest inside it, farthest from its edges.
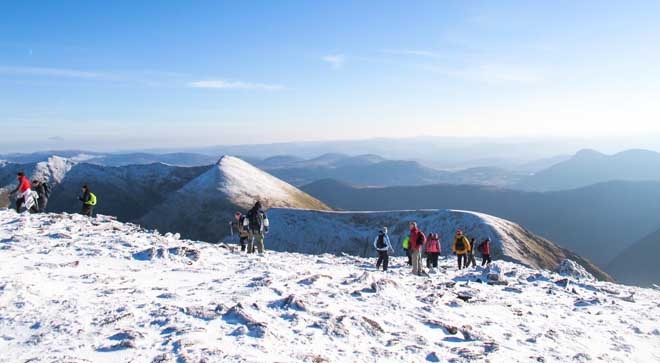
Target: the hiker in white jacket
(382, 245)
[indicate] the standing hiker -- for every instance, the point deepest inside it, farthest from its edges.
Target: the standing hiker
(43, 191)
(382, 245)
(241, 230)
(470, 254)
(88, 200)
(461, 247)
(484, 248)
(432, 252)
(257, 224)
(406, 248)
(417, 239)
(23, 191)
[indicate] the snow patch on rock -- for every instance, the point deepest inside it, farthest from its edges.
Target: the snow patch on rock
(570, 268)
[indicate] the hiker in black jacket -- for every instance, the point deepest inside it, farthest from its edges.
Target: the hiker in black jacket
(43, 191)
(257, 225)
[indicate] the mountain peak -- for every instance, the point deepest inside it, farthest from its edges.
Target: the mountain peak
(588, 153)
(204, 205)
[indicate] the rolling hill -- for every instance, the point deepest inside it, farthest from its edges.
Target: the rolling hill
(597, 222)
(638, 264)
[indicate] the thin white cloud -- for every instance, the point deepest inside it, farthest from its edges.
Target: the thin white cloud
(335, 60)
(224, 84)
(414, 52)
(491, 73)
(54, 72)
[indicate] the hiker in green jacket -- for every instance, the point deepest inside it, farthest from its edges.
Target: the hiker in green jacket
(406, 247)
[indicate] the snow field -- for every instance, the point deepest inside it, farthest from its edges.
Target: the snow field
(74, 289)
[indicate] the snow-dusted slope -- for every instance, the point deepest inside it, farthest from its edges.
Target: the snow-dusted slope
(54, 169)
(74, 289)
(354, 232)
(202, 208)
(242, 184)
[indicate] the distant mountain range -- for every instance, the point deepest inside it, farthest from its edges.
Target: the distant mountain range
(597, 222)
(585, 168)
(589, 167)
(373, 170)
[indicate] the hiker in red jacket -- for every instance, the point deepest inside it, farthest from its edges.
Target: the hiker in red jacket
(23, 190)
(417, 240)
(484, 248)
(432, 252)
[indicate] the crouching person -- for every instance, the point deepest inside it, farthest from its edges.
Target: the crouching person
(383, 245)
(241, 229)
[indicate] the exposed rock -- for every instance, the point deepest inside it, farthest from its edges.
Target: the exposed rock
(570, 268)
(562, 283)
(373, 324)
(237, 315)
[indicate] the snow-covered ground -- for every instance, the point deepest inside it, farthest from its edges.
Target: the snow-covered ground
(74, 289)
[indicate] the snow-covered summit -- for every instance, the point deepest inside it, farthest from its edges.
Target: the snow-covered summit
(53, 170)
(74, 289)
(242, 184)
(202, 207)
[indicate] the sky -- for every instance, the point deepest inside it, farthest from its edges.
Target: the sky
(140, 74)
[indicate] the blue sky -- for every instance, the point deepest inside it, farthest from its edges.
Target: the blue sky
(128, 74)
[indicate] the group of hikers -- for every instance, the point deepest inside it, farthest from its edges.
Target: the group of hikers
(33, 197)
(250, 228)
(253, 226)
(417, 243)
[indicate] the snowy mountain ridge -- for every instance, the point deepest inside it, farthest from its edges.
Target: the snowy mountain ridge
(353, 233)
(75, 289)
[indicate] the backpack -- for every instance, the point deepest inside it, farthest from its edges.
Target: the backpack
(46, 189)
(256, 219)
(381, 241)
(460, 244)
(421, 238)
(92, 199)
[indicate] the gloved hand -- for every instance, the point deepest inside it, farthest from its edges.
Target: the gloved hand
(266, 230)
